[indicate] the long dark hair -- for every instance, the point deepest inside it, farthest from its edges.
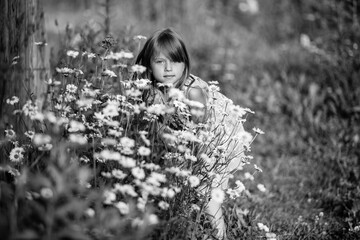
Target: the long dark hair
(168, 42)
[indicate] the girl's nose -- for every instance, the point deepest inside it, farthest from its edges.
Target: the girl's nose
(168, 66)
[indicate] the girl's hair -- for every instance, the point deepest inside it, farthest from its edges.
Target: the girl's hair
(168, 42)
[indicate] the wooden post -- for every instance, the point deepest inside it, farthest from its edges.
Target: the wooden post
(24, 63)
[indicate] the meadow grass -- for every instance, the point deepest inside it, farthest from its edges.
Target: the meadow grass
(97, 151)
(306, 104)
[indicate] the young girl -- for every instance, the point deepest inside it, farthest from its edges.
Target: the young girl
(167, 62)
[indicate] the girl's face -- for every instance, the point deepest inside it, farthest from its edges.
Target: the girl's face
(166, 71)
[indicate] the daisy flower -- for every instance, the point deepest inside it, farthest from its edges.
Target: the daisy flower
(71, 88)
(91, 55)
(78, 138)
(190, 157)
(214, 88)
(240, 187)
(213, 82)
(176, 93)
(233, 194)
(108, 142)
(217, 195)
(142, 83)
(127, 162)
(133, 93)
(195, 207)
(157, 109)
(119, 55)
(65, 70)
(194, 181)
(46, 193)
(40, 43)
(163, 205)
(244, 137)
(138, 68)
(84, 159)
(170, 193)
(152, 219)
(14, 172)
(50, 116)
(30, 134)
(108, 73)
(111, 109)
(141, 204)
(125, 189)
(109, 155)
(109, 196)
(140, 37)
(156, 179)
(12, 100)
(249, 176)
(144, 151)
(9, 133)
(90, 212)
(137, 222)
(127, 142)
(16, 154)
(117, 173)
(122, 207)
(263, 227)
(72, 53)
(76, 126)
(261, 188)
(138, 173)
(270, 236)
(46, 147)
(106, 174)
(41, 139)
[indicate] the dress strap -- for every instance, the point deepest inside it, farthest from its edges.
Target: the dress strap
(194, 82)
(190, 81)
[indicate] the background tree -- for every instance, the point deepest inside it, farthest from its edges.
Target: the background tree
(23, 58)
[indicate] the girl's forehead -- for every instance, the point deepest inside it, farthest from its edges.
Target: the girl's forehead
(159, 55)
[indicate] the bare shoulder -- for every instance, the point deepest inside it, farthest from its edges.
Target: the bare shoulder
(197, 94)
(197, 90)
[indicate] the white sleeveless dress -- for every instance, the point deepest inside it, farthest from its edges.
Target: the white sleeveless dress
(225, 125)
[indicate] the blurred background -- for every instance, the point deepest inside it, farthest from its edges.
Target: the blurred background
(295, 63)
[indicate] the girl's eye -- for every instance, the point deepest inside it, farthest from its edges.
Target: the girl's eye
(159, 61)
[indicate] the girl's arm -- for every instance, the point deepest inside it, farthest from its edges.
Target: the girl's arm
(197, 94)
(217, 218)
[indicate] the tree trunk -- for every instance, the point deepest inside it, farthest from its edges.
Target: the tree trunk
(24, 63)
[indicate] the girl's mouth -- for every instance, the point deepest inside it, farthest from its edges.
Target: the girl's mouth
(169, 76)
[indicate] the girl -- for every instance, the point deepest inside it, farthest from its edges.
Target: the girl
(167, 62)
